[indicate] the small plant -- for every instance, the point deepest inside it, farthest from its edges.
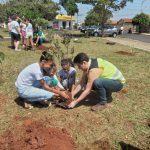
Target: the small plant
(2, 57)
(1, 37)
(55, 47)
(66, 42)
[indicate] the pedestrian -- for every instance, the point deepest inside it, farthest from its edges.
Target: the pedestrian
(29, 34)
(27, 78)
(23, 33)
(98, 75)
(121, 29)
(67, 75)
(9, 29)
(15, 32)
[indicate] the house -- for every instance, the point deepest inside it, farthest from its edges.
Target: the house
(64, 22)
(112, 22)
(126, 23)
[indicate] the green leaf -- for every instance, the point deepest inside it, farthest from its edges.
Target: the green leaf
(2, 57)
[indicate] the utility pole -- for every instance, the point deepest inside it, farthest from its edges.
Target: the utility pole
(142, 3)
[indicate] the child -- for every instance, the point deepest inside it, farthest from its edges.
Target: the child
(29, 34)
(23, 33)
(40, 38)
(33, 74)
(51, 79)
(67, 75)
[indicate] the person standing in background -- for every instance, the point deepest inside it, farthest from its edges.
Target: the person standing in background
(15, 32)
(23, 33)
(9, 29)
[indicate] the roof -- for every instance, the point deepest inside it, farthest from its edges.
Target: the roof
(125, 20)
(114, 22)
(65, 17)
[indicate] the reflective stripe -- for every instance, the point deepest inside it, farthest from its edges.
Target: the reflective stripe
(116, 74)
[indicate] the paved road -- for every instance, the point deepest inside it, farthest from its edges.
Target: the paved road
(130, 42)
(139, 37)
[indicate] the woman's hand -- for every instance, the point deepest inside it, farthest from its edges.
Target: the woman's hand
(72, 104)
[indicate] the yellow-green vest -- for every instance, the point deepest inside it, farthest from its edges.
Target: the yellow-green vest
(109, 70)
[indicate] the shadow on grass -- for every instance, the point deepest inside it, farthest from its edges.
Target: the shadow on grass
(20, 102)
(125, 146)
(91, 100)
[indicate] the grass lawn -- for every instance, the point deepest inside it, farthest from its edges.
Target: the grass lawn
(4, 32)
(124, 120)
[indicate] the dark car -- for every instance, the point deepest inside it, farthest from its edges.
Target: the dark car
(108, 31)
(88, 29)
(83, 29)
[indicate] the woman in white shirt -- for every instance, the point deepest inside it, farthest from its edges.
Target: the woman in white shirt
(27, 78)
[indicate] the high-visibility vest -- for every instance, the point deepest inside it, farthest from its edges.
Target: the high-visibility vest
(109, 71)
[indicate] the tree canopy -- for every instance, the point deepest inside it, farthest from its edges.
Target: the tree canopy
(141, 19)
(31, 9)
(102, 9)
(70, 7)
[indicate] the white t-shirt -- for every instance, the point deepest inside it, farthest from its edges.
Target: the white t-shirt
(14, 25)
(29, 75)
(29, 28)
(23, 26)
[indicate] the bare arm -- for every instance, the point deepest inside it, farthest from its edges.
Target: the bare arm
(93, 74)
(53, 90)
(79, 86)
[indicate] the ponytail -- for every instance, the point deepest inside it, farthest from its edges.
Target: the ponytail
(46, 56)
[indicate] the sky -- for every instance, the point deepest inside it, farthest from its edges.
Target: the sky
(129, 11)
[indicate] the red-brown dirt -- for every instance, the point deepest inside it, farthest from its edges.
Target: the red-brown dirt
(62, 102)
(125, 53)
(34, 135)
(97, 145)
(3, 99)
(42, 48)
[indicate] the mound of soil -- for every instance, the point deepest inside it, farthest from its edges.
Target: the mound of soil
(33, 135)
(42, 48)
(110, 43)
(125, 53)
(62, 102)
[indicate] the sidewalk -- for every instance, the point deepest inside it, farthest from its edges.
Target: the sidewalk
(132, 43)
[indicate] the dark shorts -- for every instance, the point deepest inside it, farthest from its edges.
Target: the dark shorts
(15, 36)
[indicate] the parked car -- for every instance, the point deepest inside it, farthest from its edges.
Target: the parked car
(91, 29)
(83, 29)
(108, 31)
(88, 29)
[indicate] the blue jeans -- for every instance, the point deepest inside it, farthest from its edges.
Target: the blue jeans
(105, 87)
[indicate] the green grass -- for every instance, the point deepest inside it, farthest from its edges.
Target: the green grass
(123, 120)
(4, 32)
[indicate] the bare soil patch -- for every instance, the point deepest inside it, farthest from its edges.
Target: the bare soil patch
(110, 43)
(125, 53)
(102, 144)
(3, 99)
(34, 135)
(42, 48)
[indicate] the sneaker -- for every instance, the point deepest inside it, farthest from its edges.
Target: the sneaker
(98, 107)
(33, 49)
(17, 50)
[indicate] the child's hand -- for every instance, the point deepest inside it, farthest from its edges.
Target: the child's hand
(63, 94)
